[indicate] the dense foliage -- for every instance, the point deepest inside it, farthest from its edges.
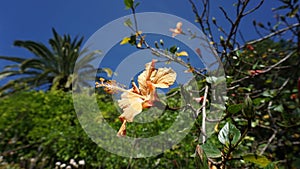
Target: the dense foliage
(42, 128)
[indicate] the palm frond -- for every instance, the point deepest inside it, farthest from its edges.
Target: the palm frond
(13, 59)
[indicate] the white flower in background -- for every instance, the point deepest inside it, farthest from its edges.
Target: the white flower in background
(63, 165)
(81, 162)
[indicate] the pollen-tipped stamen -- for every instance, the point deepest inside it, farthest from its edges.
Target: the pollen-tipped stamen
(112, 87)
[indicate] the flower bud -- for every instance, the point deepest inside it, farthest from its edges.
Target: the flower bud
(248, 110)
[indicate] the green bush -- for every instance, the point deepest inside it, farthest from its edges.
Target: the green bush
(41, 128)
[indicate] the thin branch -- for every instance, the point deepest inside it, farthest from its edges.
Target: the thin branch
(266, 70)
(255, 8)
(226, 15)
(16, 149)
(204, 114)
(200, 19)
(269, 142)
(270, 35)
(278, 63)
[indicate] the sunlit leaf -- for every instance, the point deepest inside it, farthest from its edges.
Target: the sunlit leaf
(256, 159)
(182, 53)
(125, 40)
(229, 134)
(128, 4)
(215, 80)
(108, 71)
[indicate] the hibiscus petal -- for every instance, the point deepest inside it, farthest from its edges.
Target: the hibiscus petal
(131, 104)
(145, 76)
(163, 78)
(122, 130)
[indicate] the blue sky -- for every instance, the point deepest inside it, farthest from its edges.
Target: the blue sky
(33, 19)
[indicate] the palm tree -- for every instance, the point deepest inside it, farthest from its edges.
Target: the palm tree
(51, 68)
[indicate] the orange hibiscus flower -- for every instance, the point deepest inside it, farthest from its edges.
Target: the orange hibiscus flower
(134, 100)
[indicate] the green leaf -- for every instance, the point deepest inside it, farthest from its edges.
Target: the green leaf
(132, 40)
(173, 49)
(215, 80)
(260, 160)
(211, 150)
(235, 108)
(271, 166)
(279, 108)
(258, 101)
(269, 93)
(136, 4)
(128, 22)
(211, 79)
(218, 106)
(201, 158)
(128, 4)
(108, 71)
(229, 134)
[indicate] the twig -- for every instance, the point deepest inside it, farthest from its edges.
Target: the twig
(278, 63)
(269, 36)
(16, 149)
(226, 15)
(235, 25)
(269, 142)
(266, 70)
(255, 8)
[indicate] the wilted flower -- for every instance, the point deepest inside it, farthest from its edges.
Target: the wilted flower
(177, 30)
